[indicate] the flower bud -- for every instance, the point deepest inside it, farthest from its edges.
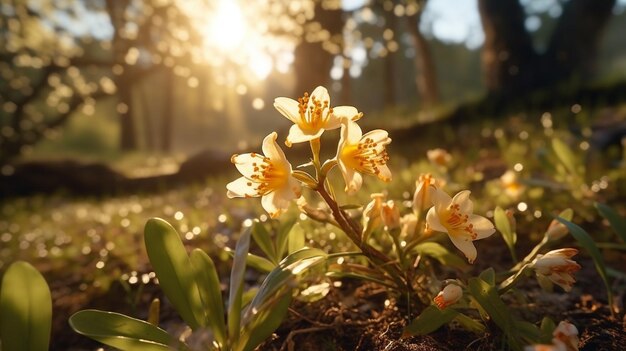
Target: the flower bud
(390, 215)
(557, 266)
(439, 157)
(450, 295)
(566, 334)
(556, 230)
(371, 213)
(408, 222)
(511, 218)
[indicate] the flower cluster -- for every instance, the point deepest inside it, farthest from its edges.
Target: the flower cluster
(271, 177)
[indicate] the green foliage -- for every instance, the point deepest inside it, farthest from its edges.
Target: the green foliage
(123, 332)
(504, 226)
(429, 320)
(585, 241)
(171, 265)
(25, 309)
(617, 222)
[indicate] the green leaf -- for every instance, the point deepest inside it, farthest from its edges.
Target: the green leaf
(262, 238)
(283, 234)
(123, 332)
(529, 332)
(431, 319)
(441, 254)
(488, 275)
(470, 324)
(617, 222)
(236, 286)
(547, 328)
(489, 299)
(267, 320)
(585, 241)
(565, 155)
(259, 263)
(171, 265)
(25, 309)
(210, 293)
(504, 227)
(296, 238)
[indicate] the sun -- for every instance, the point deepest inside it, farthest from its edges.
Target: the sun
(228, 33)
(226, 29)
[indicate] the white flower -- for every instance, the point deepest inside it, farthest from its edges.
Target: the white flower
(566, 334)
(450, 295)
(556, 230)
(510, 182)
(565, 338)
(267, 176)
(359, 153)
(421, 197)
(372, 212)
(454, 216)
(557, 266)
(408, 222)
(312, 115)
(390, 215)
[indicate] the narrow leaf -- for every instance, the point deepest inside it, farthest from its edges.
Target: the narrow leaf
(210, 293)
(504, 227)
(488, 275)
(296, 238)
(489, 299)
(431, 319)
(171, 265)
(123, 332)
(236, 286)
(565, 155)
(262, 238)
(25, 309)
(283, 234)
(585, 241)
(441, 254)
(617, 222)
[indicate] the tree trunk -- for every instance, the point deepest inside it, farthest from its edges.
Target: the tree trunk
(574, 44)
(426, 76)
(168, 112)
(390, 66)
(508, 57)
(312, 61)
(123, 81)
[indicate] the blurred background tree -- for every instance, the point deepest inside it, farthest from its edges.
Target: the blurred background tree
(173, 76)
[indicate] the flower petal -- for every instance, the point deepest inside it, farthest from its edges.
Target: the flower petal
(384, 173)
(353, 179)
(462, 199)
(350, 133)
(433, 221)
(297, 135)
(320, 94)
(439, 198)
(466, 246)
(341, 112)
(273, 151)
(277, 202)
(245, 163)
(379, 136)
(482, 226)
(288, 108)
(241, 187)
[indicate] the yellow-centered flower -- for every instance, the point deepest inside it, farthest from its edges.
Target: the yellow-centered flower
(454, 216)
(268, 176)
(450, 295)
(557, 266)
(312, 115)
(358, 153)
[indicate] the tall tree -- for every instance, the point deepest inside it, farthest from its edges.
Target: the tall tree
(321, 41)
(512, 66)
